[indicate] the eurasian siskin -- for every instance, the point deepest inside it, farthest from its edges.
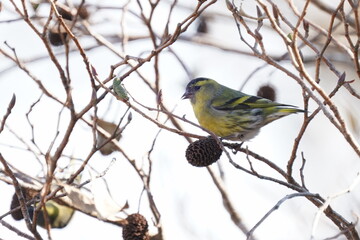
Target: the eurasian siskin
(231, 114)
(58, 216)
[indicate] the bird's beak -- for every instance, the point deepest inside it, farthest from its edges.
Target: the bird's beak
(188, 94)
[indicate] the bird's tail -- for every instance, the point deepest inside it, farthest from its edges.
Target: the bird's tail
(288, 109)
(277, 112)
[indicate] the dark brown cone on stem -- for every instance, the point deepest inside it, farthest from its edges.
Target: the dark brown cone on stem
(203, 152)
(267, 91)
(136, 228)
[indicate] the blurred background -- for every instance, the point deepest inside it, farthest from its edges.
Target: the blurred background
(156, 48)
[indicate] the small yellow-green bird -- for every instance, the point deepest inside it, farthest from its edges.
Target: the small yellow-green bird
(58, 216)
(231, 114)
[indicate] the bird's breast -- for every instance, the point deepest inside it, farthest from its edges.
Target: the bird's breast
(212, 120)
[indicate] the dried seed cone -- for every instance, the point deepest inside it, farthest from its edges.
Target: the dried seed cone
(203, 152)
(83, 12)
(136, 228)
(202, 27)
(17, 215)
(65, 13)
(268, 92)
(57, 39)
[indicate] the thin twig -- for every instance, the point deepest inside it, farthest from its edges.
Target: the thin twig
(276, 207)
(20, 197)
(8, 112)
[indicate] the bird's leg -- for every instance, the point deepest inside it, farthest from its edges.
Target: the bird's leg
(235, 147)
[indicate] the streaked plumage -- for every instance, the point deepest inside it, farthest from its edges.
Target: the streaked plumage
(231, 114)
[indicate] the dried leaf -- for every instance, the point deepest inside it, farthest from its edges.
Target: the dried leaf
(110, 128)
(105, 205)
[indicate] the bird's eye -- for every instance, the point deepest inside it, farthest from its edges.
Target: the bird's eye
(196, 88)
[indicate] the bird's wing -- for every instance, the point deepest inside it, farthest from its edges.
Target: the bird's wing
(245, 102)
(59, 215)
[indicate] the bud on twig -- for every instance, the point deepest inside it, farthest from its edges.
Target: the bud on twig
(120, 90)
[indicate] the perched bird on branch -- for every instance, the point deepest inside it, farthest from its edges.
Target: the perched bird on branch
(52, 212)
(231, 114)
(58, 216)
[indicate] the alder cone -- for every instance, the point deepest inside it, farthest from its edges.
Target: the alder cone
(203, 152)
